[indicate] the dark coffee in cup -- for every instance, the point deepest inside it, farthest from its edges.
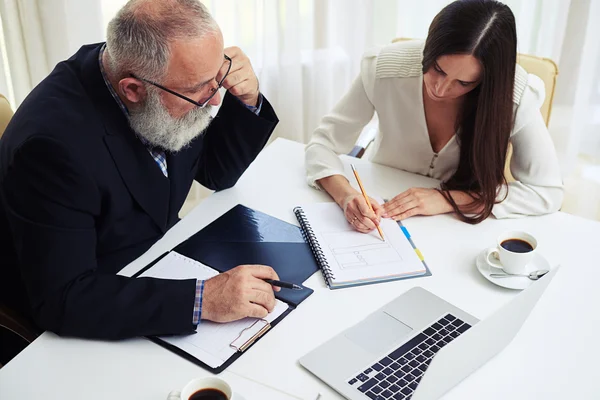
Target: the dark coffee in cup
(517, 245)
(208, 394)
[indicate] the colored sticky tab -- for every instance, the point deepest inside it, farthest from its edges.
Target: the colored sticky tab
(405, 232)
(419, 254)
(412, 243)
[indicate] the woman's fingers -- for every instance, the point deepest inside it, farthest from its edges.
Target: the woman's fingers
(411, 205)
(399, 206)
(378, 209)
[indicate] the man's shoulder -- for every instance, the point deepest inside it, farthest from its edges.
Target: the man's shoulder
(59, 107)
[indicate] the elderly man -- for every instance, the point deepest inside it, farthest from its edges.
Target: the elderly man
(98, 160)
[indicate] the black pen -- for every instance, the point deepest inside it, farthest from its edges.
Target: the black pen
(285, 285)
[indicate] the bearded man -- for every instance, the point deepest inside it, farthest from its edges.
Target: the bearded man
(98, 160)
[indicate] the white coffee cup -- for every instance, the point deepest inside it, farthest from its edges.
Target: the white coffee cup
(203, 383)
(512, 262)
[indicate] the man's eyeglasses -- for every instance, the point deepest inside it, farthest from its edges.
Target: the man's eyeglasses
(202, 104)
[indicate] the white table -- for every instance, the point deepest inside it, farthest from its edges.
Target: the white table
(554, 355)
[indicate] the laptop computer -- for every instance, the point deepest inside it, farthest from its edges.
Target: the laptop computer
(417, 346)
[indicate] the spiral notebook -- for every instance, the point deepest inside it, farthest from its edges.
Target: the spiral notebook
(350, 258)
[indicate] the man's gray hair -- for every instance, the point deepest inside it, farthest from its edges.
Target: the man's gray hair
(138, 38)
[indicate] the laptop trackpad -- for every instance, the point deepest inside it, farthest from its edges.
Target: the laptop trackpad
(377, 332)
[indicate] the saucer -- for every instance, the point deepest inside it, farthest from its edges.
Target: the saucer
(514, 282)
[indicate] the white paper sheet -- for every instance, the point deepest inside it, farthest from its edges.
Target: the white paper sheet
(212, 341)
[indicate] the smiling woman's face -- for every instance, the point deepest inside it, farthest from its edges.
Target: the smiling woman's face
(452, 76)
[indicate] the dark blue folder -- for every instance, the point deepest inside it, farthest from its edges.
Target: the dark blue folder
(246, 236)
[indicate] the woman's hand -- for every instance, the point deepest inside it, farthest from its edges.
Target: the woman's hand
(416, 201)
(359, 214)
(352, 202)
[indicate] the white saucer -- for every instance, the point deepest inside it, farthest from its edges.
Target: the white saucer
(513, 282)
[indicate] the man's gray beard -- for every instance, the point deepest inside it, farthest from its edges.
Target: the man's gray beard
(153, 123)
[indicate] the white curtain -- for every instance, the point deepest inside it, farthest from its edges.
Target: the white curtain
(24, 43)
(37, 34)
(307, 52)
(302, 50)
(576, 129)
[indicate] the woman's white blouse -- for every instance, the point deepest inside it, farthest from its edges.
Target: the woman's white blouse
(390, 83)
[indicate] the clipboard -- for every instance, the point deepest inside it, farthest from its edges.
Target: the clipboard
(243, 346)
(240, 347)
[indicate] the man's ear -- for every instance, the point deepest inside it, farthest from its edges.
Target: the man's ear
(132, 89)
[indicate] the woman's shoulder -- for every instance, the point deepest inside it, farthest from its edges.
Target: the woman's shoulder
(529, 95)
(401, 59)
(529, 89)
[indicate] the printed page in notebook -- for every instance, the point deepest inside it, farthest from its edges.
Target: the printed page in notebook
(212, 341)
(356, 257)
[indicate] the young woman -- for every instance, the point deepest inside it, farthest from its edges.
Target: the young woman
(447, 109)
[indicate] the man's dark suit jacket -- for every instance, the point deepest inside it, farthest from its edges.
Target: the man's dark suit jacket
(81, 197)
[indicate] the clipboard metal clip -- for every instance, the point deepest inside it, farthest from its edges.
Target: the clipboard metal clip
(254, 337)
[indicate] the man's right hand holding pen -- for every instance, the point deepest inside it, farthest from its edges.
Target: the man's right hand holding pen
(239, 293)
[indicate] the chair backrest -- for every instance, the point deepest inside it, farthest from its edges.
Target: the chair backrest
(16, 333)
(6, 113)
(547, 71)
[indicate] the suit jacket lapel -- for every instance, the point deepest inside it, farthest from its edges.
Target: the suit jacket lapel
(142, 176)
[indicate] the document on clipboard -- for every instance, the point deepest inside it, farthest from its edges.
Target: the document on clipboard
(213, 344)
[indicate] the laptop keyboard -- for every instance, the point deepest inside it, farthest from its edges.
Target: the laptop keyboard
(397, 375)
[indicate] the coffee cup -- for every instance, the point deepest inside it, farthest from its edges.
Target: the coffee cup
(514, 249)
(210, 388)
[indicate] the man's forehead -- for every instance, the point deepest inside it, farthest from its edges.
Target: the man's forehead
(195, 60)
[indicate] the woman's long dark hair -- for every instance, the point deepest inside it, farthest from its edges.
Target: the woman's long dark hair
(485, 29)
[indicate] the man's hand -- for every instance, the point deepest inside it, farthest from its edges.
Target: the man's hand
(241, 81)
(239, 293)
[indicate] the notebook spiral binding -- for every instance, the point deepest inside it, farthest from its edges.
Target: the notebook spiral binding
(315, 247)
